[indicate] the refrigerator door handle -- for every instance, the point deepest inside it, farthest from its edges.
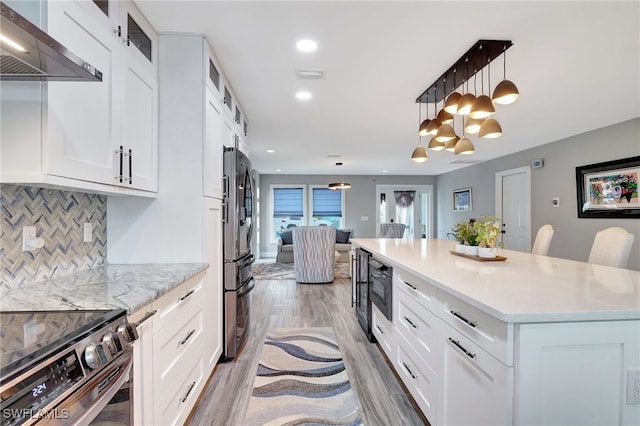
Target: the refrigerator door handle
(250, 285)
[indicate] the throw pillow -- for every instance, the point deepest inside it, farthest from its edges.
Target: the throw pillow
(287, 237)
(342, 237)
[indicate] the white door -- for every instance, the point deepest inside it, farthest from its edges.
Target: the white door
(214, 291)
(212, 158)
(513, 205)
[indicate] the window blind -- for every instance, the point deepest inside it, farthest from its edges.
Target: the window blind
(327, 202)
(287, 202)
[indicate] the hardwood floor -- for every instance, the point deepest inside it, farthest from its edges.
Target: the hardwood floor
(285, 304)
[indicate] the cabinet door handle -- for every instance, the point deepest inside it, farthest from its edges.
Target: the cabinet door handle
(186, 395)
(191, 333)
(225, 186)
(146, 317)
(458, 315)
(462, 348)
(120, 154)
(411, 286)
(380, 329)
(130, 167)
(118, 31)
(411, 323)
(406, 367)
(186, 295)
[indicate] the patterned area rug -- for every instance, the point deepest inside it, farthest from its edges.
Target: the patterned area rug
(284, 271)
(301, 380)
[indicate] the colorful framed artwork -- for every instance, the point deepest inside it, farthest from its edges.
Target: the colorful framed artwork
(609, 189)
(462, 200)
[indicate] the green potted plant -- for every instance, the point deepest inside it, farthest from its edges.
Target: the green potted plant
(487, 231)
(458, 231)
(466, 234)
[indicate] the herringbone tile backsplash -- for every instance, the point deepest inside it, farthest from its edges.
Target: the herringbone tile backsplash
(59, 217)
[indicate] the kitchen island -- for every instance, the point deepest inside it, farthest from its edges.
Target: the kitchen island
(529, 340)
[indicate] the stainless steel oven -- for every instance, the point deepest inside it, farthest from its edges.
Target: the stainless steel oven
(64, 367)
(381, 286)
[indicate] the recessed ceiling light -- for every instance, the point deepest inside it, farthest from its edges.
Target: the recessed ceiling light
(384, 171)
(306, 45)
(303, 95)
(278, 170)
(270, 151)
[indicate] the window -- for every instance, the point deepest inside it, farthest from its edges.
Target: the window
(288, 208)
(326, 205)
(214, 75)
(138, 38)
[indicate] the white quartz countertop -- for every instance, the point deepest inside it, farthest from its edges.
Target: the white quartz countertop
(129, 287)
(524, 288)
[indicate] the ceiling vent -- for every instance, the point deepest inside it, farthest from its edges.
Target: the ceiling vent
(314, 74)
(464, 161)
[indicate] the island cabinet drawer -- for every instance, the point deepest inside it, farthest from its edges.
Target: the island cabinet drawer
(418, 326)
(419, 378)
(491, 334)
(174, 407)
(474, 388)
(384, 331)
(417, 288)
(174, 305)
(175, 347)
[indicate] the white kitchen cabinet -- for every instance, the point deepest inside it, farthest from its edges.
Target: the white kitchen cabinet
(143, 366)
(213, 289)
(384, 331)
(77, 128)
(474, 388)
(212, 158)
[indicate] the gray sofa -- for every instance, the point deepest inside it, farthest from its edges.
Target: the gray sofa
(285, 251)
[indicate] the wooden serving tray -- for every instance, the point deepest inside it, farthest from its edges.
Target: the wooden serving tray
(478, 258)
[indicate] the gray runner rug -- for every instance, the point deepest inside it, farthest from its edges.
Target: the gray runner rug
(302, 380)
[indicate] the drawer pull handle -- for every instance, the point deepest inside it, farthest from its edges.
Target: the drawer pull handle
(191, 333)
(184, 398)
(187, 295)
(146, 317)
(458, 315)
(462, 348)
(411, 323)
(406, 367)
(411, 286)
(379, 329)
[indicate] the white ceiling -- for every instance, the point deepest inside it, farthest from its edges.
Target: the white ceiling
(576, 64)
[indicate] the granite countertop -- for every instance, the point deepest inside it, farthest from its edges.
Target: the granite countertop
(129, 287)
(524, 288)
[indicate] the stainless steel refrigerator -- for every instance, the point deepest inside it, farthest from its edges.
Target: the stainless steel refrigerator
(239, 223)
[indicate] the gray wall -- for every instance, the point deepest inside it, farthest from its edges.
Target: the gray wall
(573, 237)
(360, 200)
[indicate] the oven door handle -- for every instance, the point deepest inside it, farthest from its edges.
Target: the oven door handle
(81, 406)
(250, 285)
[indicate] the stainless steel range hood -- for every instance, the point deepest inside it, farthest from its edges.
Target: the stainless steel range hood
(29, 54)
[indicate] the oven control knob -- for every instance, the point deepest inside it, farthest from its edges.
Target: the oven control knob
(95, 355)
(111, 342)
(128, 333)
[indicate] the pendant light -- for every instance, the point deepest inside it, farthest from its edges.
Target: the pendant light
(419, 154)
(434, 124)
(464, 145)
(451, 105)
(465, 102)
(445, 133)
(444, 116)
(435, 145)
(473, 125)
(422, 130)
(450, 145)
(490, 129)
(506, 92)
(339, 185)
(483, 105)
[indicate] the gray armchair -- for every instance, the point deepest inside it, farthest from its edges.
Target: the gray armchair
(314, 249)
(392, 230)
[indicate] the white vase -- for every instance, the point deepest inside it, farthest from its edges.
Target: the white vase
(460, 248)
(471, 250)
(487, 252)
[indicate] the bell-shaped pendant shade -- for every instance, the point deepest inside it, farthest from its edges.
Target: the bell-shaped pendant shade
(420, 154)
(445, 133)
(490, 129)
(482, 107)
(505, 93)
(422, 131)
(464, 104)
(450, 145)
(445, 117)
(435, 145)
(339, 185)
(473, 125)
(464, 146)
(433, 126)
(451, 104)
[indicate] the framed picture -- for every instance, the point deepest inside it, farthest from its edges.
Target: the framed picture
(609, 190)
(462, 200)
